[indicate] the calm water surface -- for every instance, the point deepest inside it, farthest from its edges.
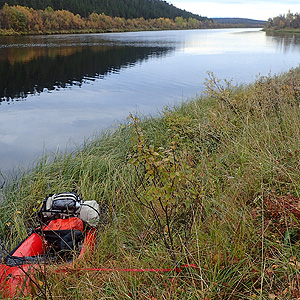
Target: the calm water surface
(57, 91)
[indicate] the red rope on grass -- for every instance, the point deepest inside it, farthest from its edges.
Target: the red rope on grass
(178, 269)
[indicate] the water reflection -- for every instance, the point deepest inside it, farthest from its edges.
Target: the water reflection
(33, 69)
(285, 42)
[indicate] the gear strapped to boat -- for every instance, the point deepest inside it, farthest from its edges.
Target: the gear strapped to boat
(65, 232)
(59, 205)
(64, 205)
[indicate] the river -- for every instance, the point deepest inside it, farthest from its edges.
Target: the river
(57, 91)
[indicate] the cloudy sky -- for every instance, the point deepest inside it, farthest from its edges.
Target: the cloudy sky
(255, 9)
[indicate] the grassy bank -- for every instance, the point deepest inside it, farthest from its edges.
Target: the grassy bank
(213, 182)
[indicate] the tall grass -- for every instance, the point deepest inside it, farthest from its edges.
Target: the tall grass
(212, 182)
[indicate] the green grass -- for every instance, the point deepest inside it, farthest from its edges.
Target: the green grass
(212, 182)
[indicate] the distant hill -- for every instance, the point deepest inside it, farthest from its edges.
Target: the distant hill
(128, 9)
(249, 22)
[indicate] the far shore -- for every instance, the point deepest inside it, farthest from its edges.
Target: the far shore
(287, 31)
(11, 32)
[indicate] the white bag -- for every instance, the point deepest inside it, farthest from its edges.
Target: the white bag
(89, 212)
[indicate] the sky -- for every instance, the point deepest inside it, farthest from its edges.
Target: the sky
(255, 9)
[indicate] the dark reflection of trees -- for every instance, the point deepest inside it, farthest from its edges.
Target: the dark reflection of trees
(285, 41)
(31, 71)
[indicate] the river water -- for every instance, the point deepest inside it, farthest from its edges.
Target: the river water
(57, 91)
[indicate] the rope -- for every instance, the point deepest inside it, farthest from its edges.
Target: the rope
(177, 269)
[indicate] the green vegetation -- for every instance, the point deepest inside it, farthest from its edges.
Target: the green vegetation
(23, 20)
(128, 9)
(284, 23)
(213, 182)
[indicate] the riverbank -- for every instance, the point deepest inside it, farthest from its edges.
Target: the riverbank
(12, 32)
(283, 31)
(213, 182)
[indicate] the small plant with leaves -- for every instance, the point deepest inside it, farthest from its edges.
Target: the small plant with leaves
(165, 183)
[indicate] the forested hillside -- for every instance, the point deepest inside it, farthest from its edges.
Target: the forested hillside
(23, 20)
(127, 9)
(249, 22)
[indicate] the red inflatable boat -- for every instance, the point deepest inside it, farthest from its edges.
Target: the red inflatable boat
(66, 231)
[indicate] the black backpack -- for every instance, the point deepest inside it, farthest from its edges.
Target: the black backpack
(59, 206)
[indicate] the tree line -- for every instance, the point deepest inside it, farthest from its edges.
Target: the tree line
(128, 9)
(284, 21)
(21, 19)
